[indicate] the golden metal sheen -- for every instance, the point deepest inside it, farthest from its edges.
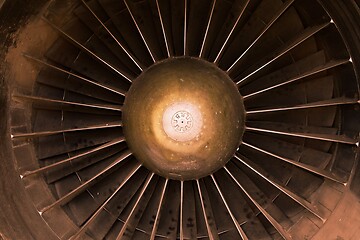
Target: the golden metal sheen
(183, 118)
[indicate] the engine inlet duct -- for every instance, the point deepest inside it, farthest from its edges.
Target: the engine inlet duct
(180, 119)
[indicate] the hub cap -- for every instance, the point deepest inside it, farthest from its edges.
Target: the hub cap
(183, 118)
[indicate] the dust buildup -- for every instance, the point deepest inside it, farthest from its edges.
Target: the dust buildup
(33, 39)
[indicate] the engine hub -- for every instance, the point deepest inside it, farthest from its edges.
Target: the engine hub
(183, 118)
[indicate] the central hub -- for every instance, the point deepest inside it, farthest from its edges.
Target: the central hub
(182, 121)
(183, 118)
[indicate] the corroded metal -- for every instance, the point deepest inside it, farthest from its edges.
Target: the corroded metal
(183, 118)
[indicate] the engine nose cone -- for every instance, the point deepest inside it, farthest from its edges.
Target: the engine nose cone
(183, 118)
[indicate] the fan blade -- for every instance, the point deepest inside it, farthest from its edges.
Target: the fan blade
(65, 199)
(88, 51)
(325, 103)
(318, 133)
